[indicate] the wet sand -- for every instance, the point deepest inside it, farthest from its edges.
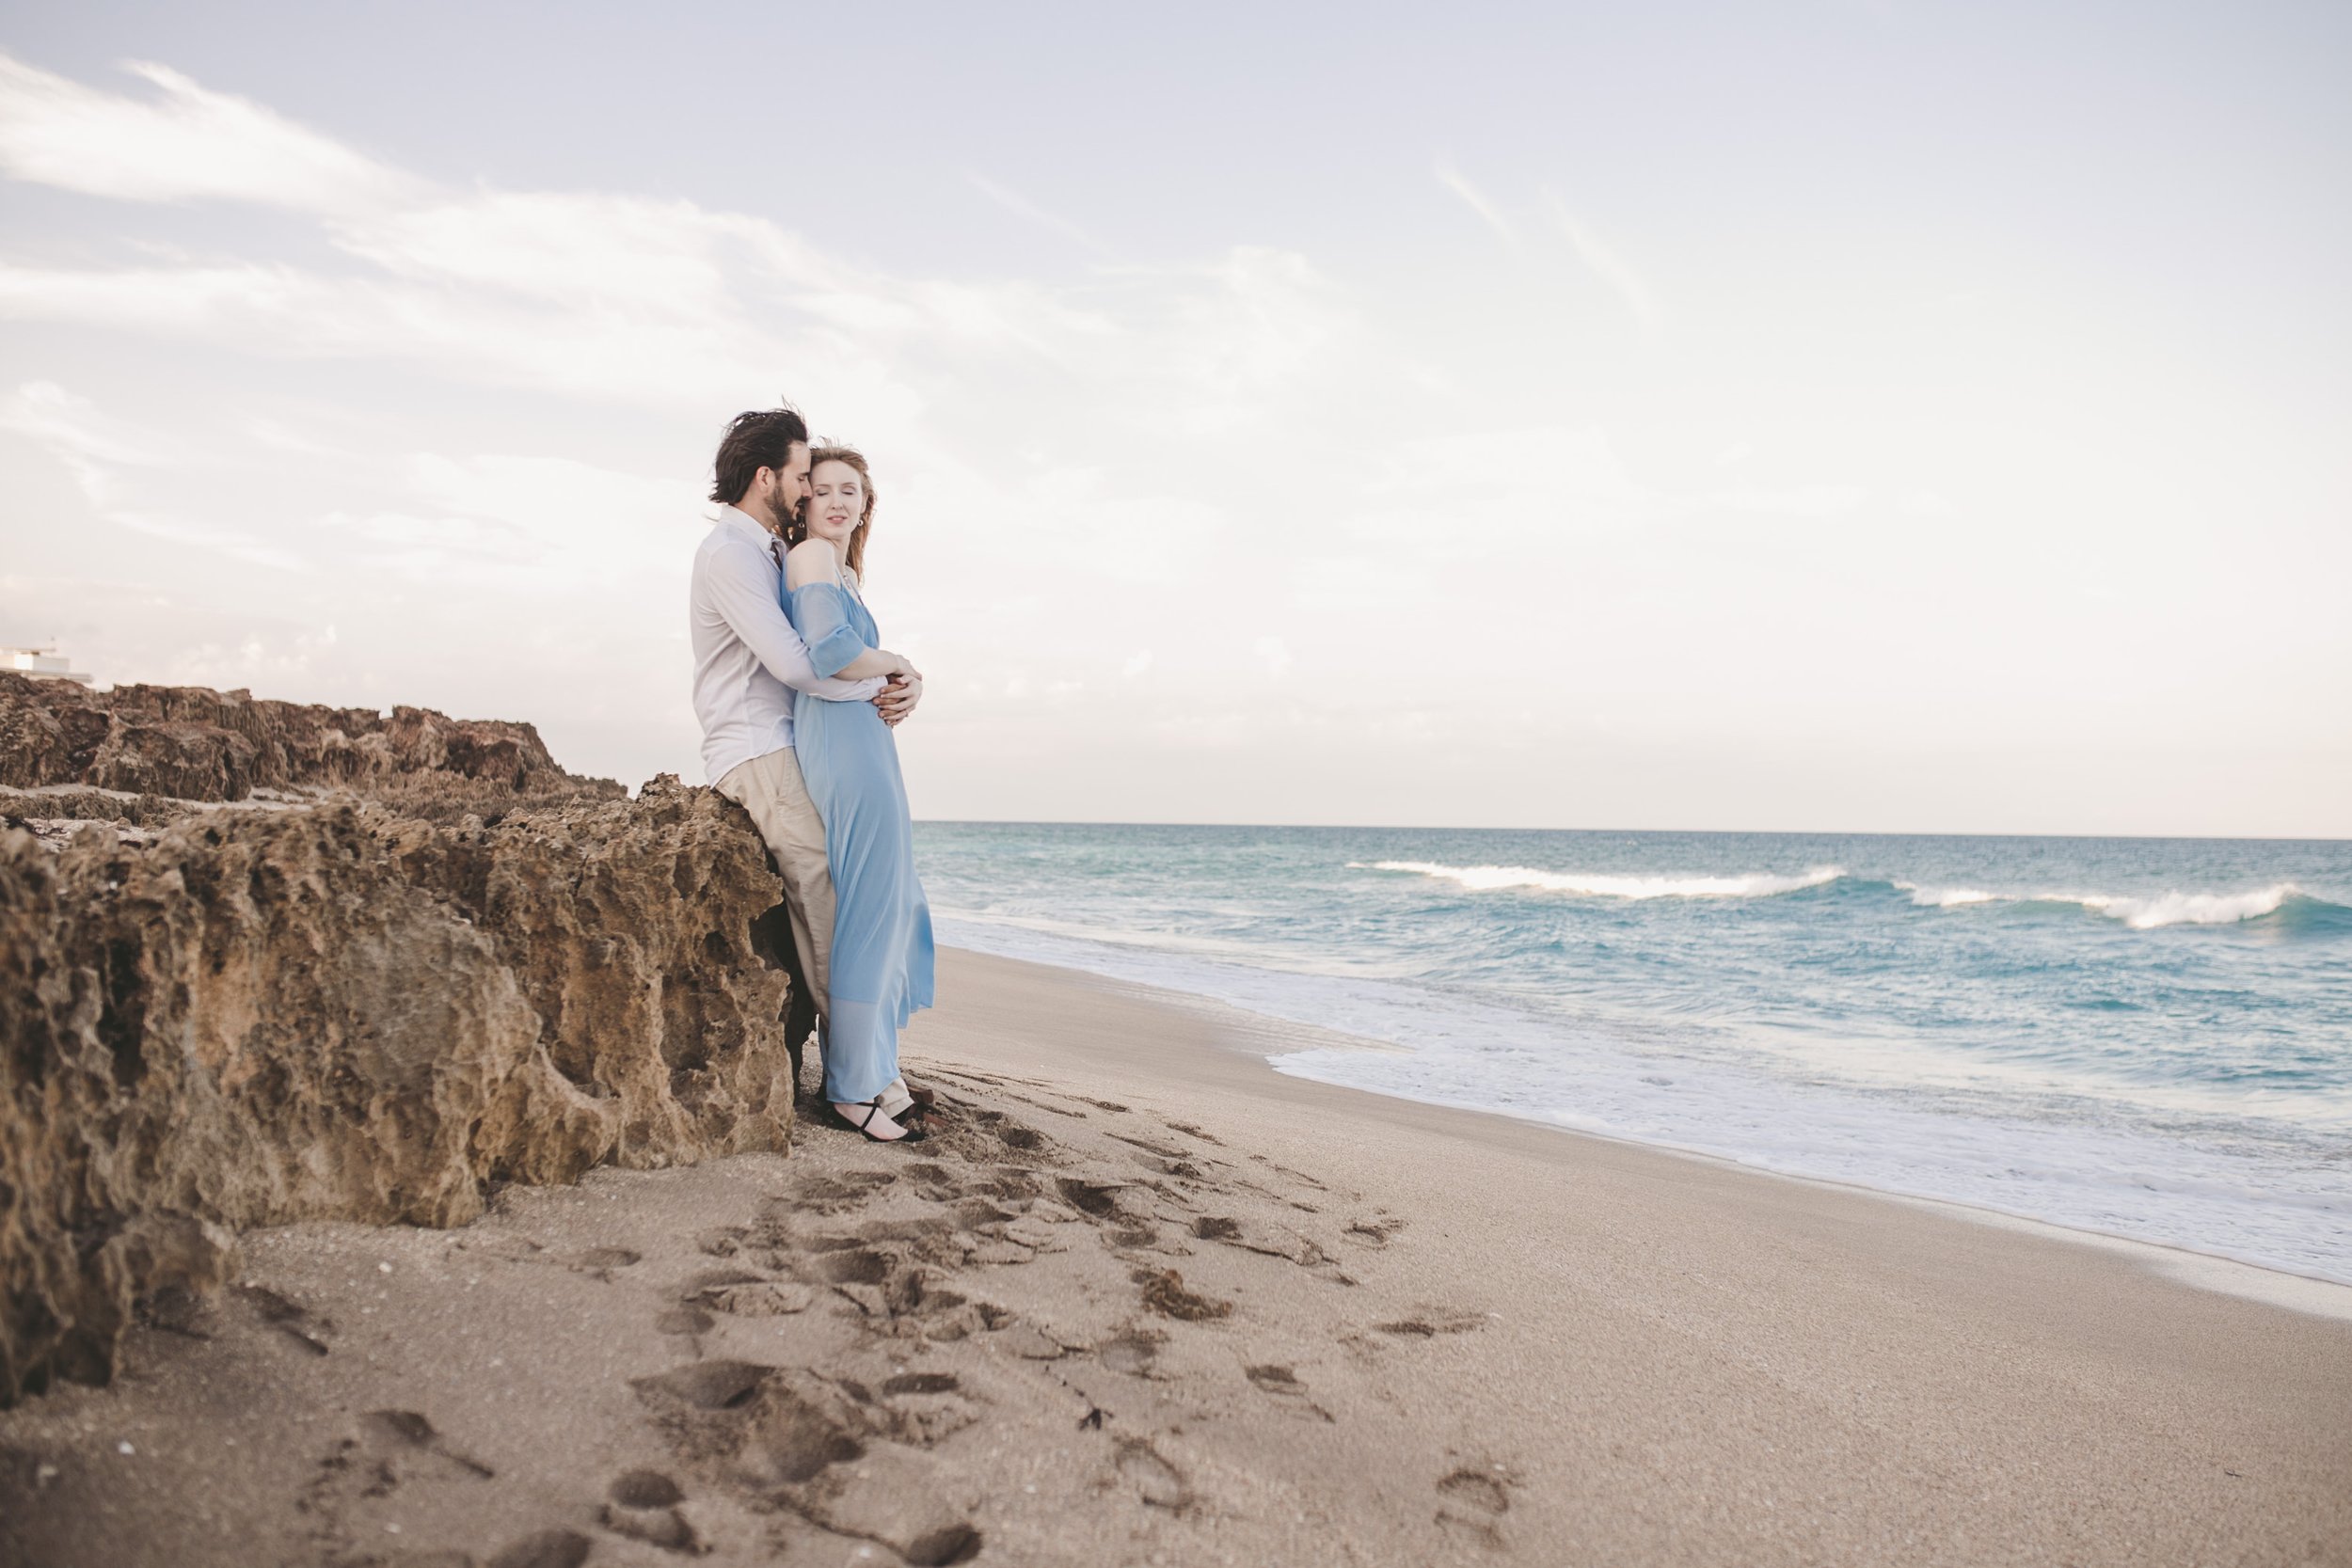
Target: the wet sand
(1142, 1299)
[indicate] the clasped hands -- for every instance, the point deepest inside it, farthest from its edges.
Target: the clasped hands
(897, 699)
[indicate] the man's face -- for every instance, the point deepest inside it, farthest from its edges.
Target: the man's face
(786, 488)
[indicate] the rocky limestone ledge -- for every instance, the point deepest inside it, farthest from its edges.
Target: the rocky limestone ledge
(191, 743)
(335, 1011)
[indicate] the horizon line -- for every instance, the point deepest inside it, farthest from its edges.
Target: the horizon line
(1775, 832)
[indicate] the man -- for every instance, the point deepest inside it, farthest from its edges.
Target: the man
(748, 662)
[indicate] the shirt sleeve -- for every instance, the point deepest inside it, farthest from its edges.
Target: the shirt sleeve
(744, 591)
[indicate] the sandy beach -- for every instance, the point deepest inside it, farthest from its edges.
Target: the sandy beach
(1142, 1299)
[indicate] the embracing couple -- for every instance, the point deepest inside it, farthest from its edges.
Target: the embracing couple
(797, 699)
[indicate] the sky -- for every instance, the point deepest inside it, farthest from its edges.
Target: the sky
(1864, 416)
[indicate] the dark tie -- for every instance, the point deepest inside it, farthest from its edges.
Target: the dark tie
(775, 551)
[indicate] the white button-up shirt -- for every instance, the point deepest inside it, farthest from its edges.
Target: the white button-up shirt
(748, 660)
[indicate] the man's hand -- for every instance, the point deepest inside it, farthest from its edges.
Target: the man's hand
(899, 698)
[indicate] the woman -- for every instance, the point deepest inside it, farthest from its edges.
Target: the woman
(881, 929)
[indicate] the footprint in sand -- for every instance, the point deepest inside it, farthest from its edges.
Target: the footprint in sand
(853, 1264)
(406, 1429)
(1030, 1342)
(721, 1241)
(770, 1431)
(921, 1409)
(1090, 1198)
(1284, 1385)
(707, 1385)
(759, 1298)
(547, 1548)
(933, 1182)
(687, 1323)
(1299, 1176)
(289, 1317)
(921, 1383)
(829, 1195)
(943, 1547)
(603, 1261)
(644, 1507)
(828, 1450)
(1428, 1322)
(1289, 1246)
(797, 1439)
(646, 1489)
(1132, 1353)
(1163, 1161)
(1474, 1500)
(1164, 1292)
(388, 1447)
(1155, 1481)
(1276, 1380)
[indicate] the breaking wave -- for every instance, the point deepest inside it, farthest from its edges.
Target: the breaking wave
(2286, 902)
(1588, 884)
(2146, 912)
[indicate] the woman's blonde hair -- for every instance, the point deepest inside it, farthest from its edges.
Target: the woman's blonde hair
(856, 548)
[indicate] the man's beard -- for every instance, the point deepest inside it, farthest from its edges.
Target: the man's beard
(786, 508)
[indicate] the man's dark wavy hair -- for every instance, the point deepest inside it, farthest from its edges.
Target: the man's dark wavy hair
(760, 438)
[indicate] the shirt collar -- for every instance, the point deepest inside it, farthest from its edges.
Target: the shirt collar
(735, 520)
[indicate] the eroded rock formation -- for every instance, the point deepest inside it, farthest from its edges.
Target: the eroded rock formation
(189, 743)
(337, 1007)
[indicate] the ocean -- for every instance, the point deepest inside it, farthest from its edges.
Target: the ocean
(2146, 1038)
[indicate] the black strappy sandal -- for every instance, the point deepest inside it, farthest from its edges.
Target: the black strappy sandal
(873, 1108)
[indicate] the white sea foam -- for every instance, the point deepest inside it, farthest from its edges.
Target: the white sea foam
(1592, 884)
(2193, 909)
(2141, 913)
(1948, 898)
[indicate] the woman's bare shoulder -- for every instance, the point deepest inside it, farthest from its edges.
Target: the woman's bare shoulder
(811, 561)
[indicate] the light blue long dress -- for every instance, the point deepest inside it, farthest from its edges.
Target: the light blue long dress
(881, 924)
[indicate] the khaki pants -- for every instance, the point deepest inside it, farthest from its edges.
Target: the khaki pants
(772, 789)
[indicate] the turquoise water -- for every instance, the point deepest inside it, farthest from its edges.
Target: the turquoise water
(2146, 1038)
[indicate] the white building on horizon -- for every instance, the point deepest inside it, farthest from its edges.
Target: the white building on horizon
(46, 663)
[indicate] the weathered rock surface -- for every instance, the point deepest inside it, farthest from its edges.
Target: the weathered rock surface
(338, 1008)
(194, 744)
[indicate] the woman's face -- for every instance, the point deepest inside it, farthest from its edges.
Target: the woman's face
(837, 499)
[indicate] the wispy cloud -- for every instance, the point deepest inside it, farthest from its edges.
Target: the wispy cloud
(1099, 423)
(601, 294)
(72, 430)
(127, 471)
(1609, 267)
(1021, 206)
(1451, 178)
(184, 144)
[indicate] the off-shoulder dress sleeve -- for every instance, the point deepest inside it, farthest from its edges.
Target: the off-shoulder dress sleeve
(819, 611)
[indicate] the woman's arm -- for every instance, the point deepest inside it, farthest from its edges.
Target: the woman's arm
(877, 662)
(812, 561)
(742, 593)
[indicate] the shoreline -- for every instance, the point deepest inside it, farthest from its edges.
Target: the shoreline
(2265, 1279)
(1271, 1037)
(1141, 1298)
(2244, 1277)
